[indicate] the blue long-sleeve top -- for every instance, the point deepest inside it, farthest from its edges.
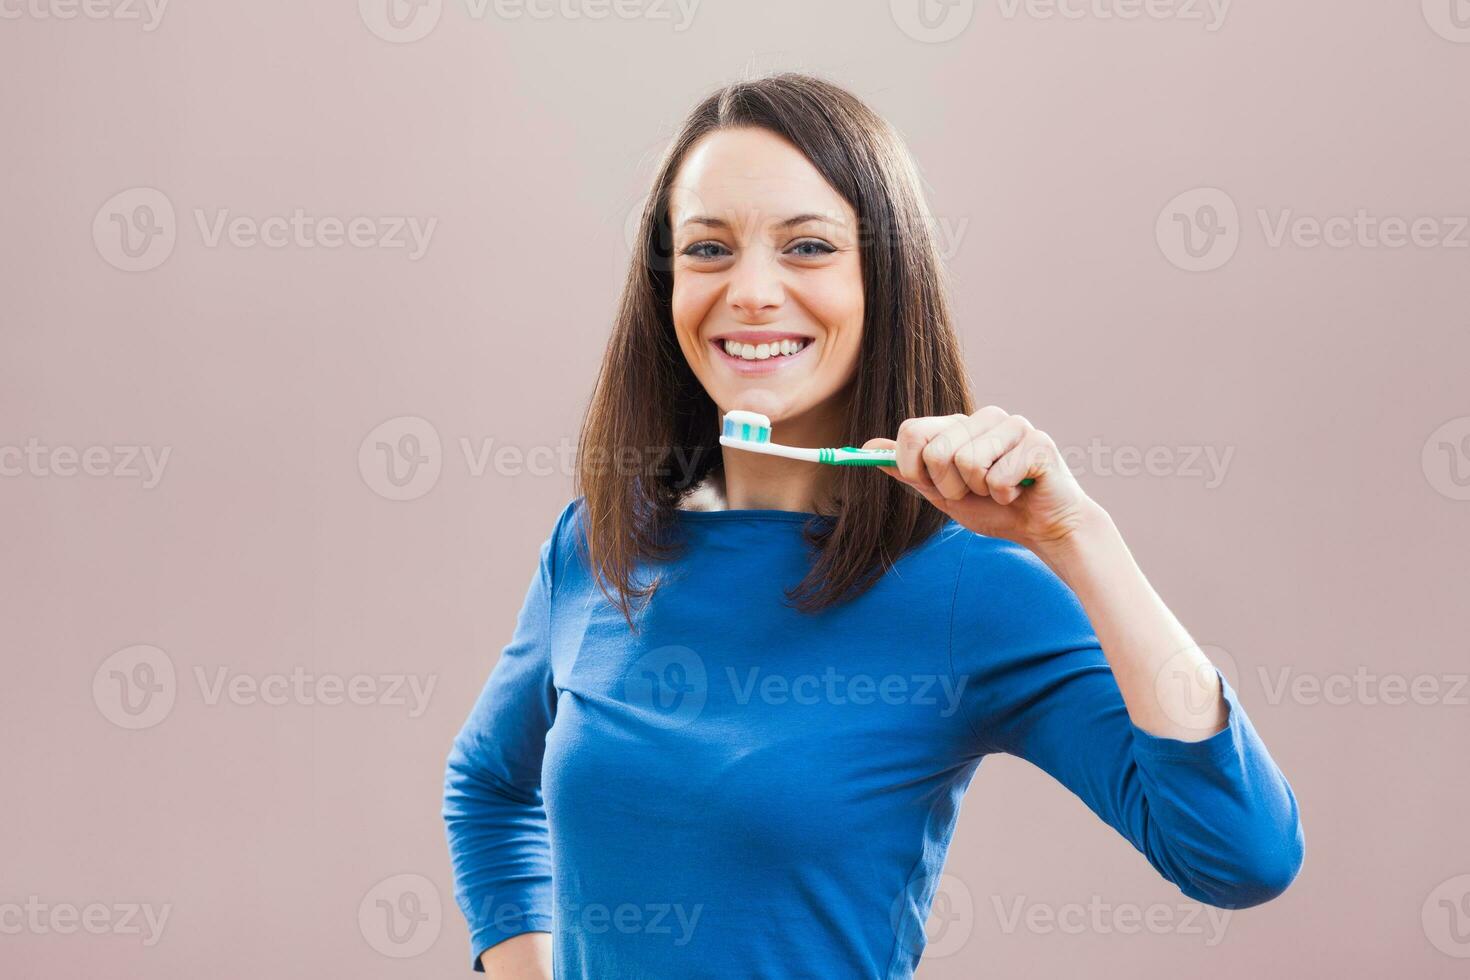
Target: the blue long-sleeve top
(743, 790)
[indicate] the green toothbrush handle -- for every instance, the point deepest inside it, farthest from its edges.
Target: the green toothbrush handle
(870, 457)
(853, 456)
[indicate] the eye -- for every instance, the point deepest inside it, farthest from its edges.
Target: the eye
(702, 250)
(813, 248)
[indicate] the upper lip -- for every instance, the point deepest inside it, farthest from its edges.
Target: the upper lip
(758, 336)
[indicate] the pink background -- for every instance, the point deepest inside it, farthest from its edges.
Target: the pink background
(1332, 544)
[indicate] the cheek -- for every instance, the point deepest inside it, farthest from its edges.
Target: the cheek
(689, 301)
(836, 295)
(843, 315)
(840, 307)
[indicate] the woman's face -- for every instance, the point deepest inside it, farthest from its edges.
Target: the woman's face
(768, 290)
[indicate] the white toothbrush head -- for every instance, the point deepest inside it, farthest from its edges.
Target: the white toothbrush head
(748, 427)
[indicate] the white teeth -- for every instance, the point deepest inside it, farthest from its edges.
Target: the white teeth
(761, 352)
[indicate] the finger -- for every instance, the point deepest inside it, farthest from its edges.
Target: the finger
(942, 456)
(913, 437)
(1030, 457)
(878, 442)
(975, 459)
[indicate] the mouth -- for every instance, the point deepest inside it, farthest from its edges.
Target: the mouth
(760, 352)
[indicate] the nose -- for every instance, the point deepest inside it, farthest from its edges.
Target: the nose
(755, 288)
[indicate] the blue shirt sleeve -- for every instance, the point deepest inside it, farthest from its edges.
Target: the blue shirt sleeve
(493, 813)
(1216, 816)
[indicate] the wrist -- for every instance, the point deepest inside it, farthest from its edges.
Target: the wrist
(1089, 534)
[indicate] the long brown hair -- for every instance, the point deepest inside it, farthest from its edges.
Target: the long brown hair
(650, 434)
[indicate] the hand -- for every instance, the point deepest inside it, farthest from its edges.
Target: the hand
(971, 468)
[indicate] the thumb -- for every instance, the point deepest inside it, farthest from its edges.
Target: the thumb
(878, 443)
(917, 489)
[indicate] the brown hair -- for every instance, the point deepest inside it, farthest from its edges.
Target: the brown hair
(648, 401)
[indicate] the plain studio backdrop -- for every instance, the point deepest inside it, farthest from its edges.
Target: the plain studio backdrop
(303, 303)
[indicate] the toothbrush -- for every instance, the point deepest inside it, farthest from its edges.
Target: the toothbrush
(751, 431)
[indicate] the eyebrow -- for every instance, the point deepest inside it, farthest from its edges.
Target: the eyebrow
(713, 222)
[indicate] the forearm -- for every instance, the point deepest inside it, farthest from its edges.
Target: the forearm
(1167, 682)
(526, 956)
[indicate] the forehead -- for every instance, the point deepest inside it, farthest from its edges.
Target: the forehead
(751, 170)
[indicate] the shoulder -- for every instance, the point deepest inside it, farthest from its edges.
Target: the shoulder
(559, 547)
(1000, 561)
(1004, 584)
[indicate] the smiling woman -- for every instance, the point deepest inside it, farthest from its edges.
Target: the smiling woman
(757, 716)
(785, 212)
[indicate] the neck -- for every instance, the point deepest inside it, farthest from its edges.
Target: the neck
(754, 481)
(772, 483)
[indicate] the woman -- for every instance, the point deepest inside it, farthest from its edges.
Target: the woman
(745, 694)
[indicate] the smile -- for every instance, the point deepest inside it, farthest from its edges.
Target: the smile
(760, 353)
